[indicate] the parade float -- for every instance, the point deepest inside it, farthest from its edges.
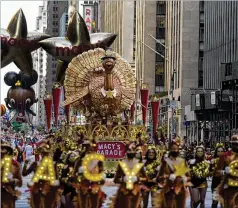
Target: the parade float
(100, 85)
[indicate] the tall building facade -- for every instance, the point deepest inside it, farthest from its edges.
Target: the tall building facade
(184, 20)
(216, 104)
(63, 24)
(55, 10)
(39, 64)
(118, 17)
(220, 39)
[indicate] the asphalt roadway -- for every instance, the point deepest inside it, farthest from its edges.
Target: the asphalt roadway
(109, 189)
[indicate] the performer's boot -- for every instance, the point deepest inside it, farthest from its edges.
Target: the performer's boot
(214, 204)
(195, 204)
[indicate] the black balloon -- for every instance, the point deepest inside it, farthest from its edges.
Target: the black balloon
(28, 80)
(11, 78)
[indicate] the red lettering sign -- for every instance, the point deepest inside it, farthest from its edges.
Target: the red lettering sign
(112, 150)
(88, 20)
(88, 12)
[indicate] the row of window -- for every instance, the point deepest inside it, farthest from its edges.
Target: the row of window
(55, 16)
(55, 23)
(55, 30)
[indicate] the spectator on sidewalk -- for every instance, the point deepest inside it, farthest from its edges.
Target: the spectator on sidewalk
(28, 151)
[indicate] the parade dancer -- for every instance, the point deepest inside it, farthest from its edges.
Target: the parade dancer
(151, 167)
(216, 180)
(14, 179)
(67, 178)
(199, 173)
(229, 186)
(174, 176)
(129, 198)
(89, 193)
(43, 194)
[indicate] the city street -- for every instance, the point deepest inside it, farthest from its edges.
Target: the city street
(109, 190)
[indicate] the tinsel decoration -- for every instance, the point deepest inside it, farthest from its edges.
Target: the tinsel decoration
(144, 101)
(200, 170)
(151, 168)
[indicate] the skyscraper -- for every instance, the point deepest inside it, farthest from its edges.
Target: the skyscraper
(184, 29)
(39, 64)
(55, 10)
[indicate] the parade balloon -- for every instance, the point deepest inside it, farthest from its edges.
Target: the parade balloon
(2, 110)
(28, 80)
(20, 97)
(11, 78)
(77, 41)
(17, 43)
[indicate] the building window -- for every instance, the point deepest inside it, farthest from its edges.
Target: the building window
(160, 49)
(161, 7)
(160, 20)
(228, 69)
(55, 9)
(201, 34)
(160, 33)
(159, 68)
(55, 23)
(201, 6)
(200, 79)
(159, 80)
(55, 16)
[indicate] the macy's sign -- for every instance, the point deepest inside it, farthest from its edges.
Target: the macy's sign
(17, 42)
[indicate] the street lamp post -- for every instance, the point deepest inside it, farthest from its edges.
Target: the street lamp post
(172, 106)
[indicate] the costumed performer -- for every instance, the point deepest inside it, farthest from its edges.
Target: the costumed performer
(174, 176)
(229, 186)
(200, 170)
(42, 193)
(13, 177)
(129, 198)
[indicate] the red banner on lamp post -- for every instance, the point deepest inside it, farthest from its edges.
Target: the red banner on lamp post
(56, 91)
(48, 109)
(155, 114)
(144, 101)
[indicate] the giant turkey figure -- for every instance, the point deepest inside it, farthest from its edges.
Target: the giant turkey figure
(100, 81)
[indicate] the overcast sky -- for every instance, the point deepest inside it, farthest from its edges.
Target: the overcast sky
(8, 9)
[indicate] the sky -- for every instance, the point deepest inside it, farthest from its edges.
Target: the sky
(8, 9)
